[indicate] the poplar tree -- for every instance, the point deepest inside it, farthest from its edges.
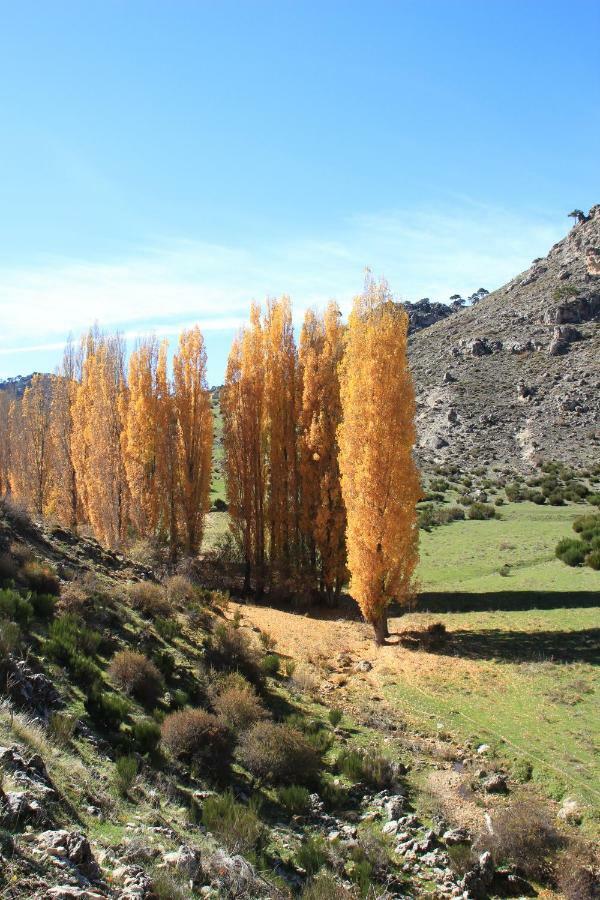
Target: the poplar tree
(31, 446)
(98, 411)
(245, 445)
(140, 440)
(64, 483)
(4, 443)
(194, 419)
(282, 400)
(380, 482)
(323, 515)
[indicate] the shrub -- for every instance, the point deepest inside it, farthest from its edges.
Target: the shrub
(69, 634)
(136, 675)
(267, 640)
(335, 717)
(278, 753)
(375, 770)
(239, 707)
(149, 598)
(196, 736)
(40, 578)
(126, 769)
(593, 559)
(43, 605)
(146, 735)
(586, 524)
(482, 511)
(312, 854)
(61, 727)
(168, 629)
(230, 650)
(107, 709)
(180, 590)
(270, 665)
(8, 568)
(523, 835)
(83, 669)
(325, 887)
(295, 799)
(14, 606)
(522, 770)
(235, 825)
(571, 551)
(578, 872)
(10, 638)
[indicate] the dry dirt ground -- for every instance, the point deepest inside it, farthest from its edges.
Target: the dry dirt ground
(329, 649)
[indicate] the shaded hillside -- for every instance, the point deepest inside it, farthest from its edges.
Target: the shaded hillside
(516, 378)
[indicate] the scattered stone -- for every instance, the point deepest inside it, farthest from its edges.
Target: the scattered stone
(72, 846)
(456, 836)
(478, 880)
(363, 666)
(185, 859)
(496, 784)
(570, 811)
(390, 827)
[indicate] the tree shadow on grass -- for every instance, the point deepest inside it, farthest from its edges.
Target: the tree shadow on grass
(504, 601)
(516, 646)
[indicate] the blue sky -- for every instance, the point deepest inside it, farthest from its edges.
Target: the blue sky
(167, 162)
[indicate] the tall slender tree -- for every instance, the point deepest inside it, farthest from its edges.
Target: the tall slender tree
(380, 482)
(323, 515)
(98, 413)
(193, 412)
(4, 443)
(245, 445)
(31, 446)
(282, 400)
(64, 392)
(140, 439)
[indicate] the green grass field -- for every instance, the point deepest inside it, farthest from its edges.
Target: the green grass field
(520, 670)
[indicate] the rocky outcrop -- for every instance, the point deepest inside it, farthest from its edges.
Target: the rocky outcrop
(522, 362)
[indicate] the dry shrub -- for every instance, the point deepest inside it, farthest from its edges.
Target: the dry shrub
(278, 753)
(40, 578)
(230, 649)
(136, 675)
(149, 598)
(578, 872)
(180, 590)
(196, 736)
(145, 552)
(239, 707)
(74, 599)
(523, 834)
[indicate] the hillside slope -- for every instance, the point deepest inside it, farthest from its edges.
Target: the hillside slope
(516, 378)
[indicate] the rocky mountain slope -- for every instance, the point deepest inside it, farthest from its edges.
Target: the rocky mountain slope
(515, 379)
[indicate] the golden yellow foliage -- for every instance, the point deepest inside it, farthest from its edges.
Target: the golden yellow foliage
(30, 473)
(244, 438)
(380, 482)
(323, 515)
(192, 407)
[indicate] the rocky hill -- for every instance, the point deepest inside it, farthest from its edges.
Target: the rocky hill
(515, 379)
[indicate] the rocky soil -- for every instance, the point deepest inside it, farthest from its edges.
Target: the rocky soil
(515, 379)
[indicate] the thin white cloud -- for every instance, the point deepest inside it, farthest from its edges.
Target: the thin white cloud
(177, 282)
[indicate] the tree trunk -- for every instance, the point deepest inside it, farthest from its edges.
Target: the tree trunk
(247, 574)
(381, 629)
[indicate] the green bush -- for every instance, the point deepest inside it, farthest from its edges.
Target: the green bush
(312, 854)
(69, 634)
(335, 717)
(146, 735)
(481, 511)
(236, 826)
(269, 665)
(325, 887)
(586, 524)
(83, 669)
(593, 560)
(571, 551)
(15, 607)
(61, 727)
(126, 770)
(294, 798)
(168, 629)
(371, 768)
(107, 709)
(278, 754)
